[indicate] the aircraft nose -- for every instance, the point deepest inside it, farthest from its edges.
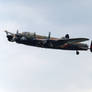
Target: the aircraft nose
(10, 37)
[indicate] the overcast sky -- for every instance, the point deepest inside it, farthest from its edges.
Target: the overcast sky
(30, 69)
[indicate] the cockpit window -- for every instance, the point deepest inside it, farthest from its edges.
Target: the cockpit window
(27, 34)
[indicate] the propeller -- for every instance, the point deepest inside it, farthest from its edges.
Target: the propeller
(17, 36)
(47, 42)
(17, 31)
(8, 33)
(13, 37)
(34, 35)
(67, 36)
(49, 35)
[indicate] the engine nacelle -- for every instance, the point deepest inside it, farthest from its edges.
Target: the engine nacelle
(10, 37)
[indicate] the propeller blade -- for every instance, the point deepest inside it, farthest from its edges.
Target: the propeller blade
(67, 36)
(49, 35)
(17, 32)
(34, 35)
(8, 32)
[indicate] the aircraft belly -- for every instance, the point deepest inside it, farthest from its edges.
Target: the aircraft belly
(31, 43)
(52, 45)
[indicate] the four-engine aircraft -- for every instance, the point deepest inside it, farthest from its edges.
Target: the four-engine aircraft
(64, 43)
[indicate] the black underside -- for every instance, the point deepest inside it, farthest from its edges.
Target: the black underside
(52, 45)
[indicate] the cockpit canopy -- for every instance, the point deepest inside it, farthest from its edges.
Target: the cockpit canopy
(27, 34)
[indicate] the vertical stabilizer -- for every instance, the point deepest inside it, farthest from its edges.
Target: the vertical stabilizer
(91, 47)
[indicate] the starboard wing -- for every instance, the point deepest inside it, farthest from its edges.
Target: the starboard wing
(71, 41)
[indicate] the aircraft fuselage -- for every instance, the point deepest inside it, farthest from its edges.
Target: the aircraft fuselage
(53, 45)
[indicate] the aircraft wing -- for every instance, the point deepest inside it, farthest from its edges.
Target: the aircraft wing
(76, 40)
(71, 41)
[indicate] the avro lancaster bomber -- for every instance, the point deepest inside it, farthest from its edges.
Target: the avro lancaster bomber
(64, 43)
